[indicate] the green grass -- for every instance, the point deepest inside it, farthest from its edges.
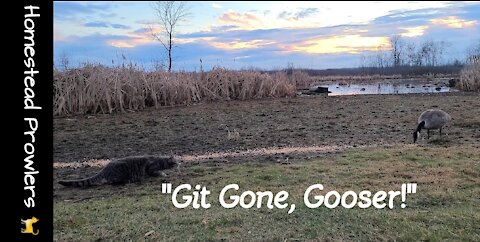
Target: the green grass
(445, 207)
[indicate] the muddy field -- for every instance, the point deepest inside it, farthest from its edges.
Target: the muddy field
(240, 125)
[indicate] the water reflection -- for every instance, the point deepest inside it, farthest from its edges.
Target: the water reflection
(337, 89)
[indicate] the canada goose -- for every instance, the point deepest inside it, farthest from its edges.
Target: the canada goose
(431, 119)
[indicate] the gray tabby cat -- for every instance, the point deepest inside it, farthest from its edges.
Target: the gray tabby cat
(126, 170)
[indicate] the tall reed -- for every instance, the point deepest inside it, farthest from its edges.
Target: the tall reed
(99, 89)
(470, 78)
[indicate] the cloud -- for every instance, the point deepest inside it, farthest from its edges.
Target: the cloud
(247, 20)
(472, 11)
(68, 10)
(284, 15)
(454, 22)
(350, 39)
(130, 43)
(215, 5)
(284, 36)
(98, 24)
(142, 31)
(132, 40)
(108, 15)
(352, 44)
(119, 26)
(238, 44)
(409, 17)
(95, 49)
(298, 14)
(413, 31)
(145, 21)
(306, 12)
(58, 36)
(104, 24)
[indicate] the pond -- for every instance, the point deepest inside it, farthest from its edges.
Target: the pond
(398, 87)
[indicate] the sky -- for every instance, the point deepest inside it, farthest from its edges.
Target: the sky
(265, 35)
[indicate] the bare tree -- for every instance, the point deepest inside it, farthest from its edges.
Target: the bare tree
(170, 14)
(397, 49)
(64, 61)
(380, 60)
(441, 49)
(411, 58)
(474, 54)
(431, 52)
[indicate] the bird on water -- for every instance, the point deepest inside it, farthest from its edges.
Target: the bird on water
(431, 119)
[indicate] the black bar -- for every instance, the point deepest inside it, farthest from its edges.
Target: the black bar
(33, 177)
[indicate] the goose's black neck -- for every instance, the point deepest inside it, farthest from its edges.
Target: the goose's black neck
(420, 126)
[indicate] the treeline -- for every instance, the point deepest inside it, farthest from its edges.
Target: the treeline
(408, 53)
(453, 69)
(406, 58)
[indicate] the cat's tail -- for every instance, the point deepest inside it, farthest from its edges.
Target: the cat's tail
(87, 182)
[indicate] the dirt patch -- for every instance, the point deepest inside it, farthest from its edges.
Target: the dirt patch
(219, 155)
